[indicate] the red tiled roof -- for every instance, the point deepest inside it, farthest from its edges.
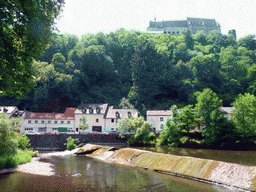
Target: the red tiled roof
(159, 112)
(68, 114)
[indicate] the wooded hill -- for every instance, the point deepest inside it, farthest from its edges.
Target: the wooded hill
(150, 71)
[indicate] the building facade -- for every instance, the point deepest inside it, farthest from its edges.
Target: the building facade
(175, 27)
(49, 122)
(158, 118)
(101, 117)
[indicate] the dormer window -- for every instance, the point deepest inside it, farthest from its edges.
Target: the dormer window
(129, 114)
(5, 110)
(117, 115)
(91, 111)
(84, 111)
(98, 110)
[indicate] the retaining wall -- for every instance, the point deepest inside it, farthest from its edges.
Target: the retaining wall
(216, 172)
(58, 141)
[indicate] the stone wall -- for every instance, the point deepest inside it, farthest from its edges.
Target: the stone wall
(57, 141)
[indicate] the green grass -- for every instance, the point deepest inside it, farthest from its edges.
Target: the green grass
(14, 160)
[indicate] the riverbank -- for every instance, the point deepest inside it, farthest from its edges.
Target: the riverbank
(37, 165)
(216, 172)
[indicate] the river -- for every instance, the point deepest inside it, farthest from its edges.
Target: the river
(81, 173)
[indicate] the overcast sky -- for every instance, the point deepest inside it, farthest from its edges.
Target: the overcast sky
(92, 16)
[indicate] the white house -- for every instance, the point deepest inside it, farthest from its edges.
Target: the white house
(49, 122)
(158, 118)
(9, 110)
(101, 117)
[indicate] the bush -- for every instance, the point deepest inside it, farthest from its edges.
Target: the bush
(71, 143)
(171, 135)
(23, 142)
(15, 159)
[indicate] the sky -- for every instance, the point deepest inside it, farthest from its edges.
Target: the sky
(92, 16)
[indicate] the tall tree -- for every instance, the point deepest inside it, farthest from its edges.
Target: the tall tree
(25, 30)
(207, 106)
(244, 116)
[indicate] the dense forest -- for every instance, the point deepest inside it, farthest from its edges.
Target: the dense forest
(148, 71)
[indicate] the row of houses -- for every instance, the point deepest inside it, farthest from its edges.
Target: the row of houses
(100, 118)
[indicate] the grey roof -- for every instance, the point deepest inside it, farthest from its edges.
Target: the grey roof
(202, 21)
(102, 107)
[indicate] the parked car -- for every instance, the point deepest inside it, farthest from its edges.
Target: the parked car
(32, 133)
(113, 132)
(70, 131)
(50, 133)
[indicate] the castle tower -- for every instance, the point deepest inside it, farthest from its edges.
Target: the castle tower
(232, 32)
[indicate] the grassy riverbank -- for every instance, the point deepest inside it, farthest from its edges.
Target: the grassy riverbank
(14, 160)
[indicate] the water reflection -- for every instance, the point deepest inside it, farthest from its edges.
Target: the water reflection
(239, 157)
(86, 174)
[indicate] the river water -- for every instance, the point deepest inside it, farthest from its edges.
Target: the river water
(80, 173)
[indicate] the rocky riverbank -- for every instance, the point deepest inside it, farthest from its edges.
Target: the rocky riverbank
(226, 174)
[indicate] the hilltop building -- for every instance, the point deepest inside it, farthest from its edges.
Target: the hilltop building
(232, 32)
(175, 27)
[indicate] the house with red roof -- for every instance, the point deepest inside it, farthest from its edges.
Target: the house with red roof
(49, 122)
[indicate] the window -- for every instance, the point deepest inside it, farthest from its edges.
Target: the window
(161, 118)
(28, 129)
(54, 129)
(36, 121)
(112, 120)
(80, 120)
(42, 129)
(91, 111)
(42, 122)
(117, 115)
(116, 120)
(97, 120)
(62, 122)
(98, 110)
(49, 122)
(29, 121)
(162, 126)
(83, 111)
(55, 122)
(129, 114)
(68, 122)
(112, 128)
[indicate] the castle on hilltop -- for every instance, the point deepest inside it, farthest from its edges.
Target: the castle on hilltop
(175, 27)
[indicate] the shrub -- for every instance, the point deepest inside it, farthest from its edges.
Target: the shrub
(14, 160)
(23, 142)
(171, 134)
(71, 143)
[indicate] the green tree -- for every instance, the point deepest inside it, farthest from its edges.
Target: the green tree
(83, 124)
(248, 42)
(244, 116)
(25, 31)
(207, 106)
(186, 118)
(171, 134)
(8, 138)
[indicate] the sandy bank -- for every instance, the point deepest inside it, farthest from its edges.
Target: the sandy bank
(205, 170)
(39, 167)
